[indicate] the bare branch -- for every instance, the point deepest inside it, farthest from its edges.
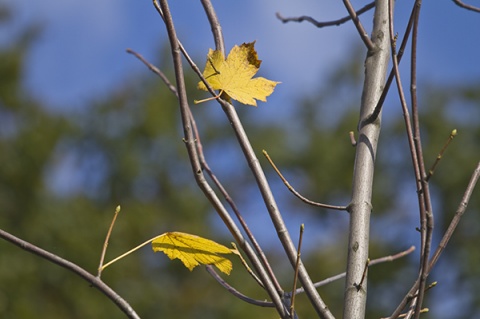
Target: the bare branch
(466, 6)
(360, 207)
(361, 30)
(445, 239)
(272, 208)
(96, 282)
(155, 70)
(233, 206)
(297, 194)
(351, 134)
(425, 204)
(327, 23)
(353, 15)
(105, 244)
(215, 25)
(456, 218)
(235, 292)
(185, 54)
(391, 76)
(364, 275)
(295, 276)
(431, 171)
(324, 282)
(372, 263)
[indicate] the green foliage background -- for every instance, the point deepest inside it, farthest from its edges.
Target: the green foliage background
(62, 175)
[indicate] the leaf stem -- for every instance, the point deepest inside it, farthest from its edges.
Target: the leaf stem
(129, 252)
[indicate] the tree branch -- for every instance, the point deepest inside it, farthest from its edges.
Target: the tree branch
(234, 207)
(391, 76)
(466, 6)
(361, 30)
(426, 209)
(273, 210)
(267, 195)
(297, 194)
(211, 270)
(376, 65)
(445, 239)
(155, 70)
(95, 281)
(327, 23)
(235, 292)
(456, 218)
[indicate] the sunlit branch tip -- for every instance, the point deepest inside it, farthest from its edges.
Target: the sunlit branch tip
(105, 244)
(431, 171)
(351, 134)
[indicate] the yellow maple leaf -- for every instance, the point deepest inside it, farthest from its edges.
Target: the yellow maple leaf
(193, 250)
(234, 75)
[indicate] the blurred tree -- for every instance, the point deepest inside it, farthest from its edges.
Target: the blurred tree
(61, 176)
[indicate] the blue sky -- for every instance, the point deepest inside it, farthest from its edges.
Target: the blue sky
(81, 52)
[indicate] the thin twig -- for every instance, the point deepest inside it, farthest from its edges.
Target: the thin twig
(327, 23)
(105, 244)
(445, 239)
(466, 6)
(235, 292)
(415, 146)
(185, 53)
(273, 210)
(234, 207)
(426, 209)
(155, 70)
(351, 134)
(372, 263)
(456, 218)
(364, 275)
(361, 30)
(405, 315)
(214, 24)
(295, 277)
(431, 171)
(297, 194)
(324, 282)
(96, 282)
